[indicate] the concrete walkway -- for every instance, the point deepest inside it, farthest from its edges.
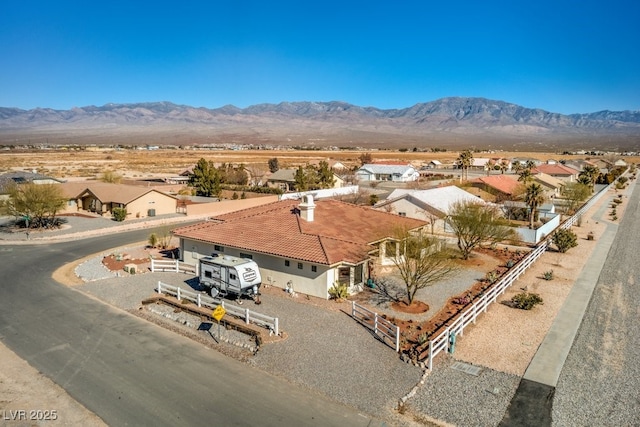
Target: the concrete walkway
(532, 403)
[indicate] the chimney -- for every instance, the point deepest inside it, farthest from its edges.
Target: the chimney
(306, 208)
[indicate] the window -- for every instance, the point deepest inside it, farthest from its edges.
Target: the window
(286, 263)
(402, 213)
(299, 266)
(247, 256)
(314, 268)
(208, 274)
(233, 276)
(218, 248)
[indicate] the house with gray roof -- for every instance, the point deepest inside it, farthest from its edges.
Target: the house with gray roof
(387, 172)
(7, 180)
(428, 205)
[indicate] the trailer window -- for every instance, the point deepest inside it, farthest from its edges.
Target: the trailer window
(233, 276)
(207, 274)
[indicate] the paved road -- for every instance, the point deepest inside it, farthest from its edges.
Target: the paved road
(130, 372)
(594, 378)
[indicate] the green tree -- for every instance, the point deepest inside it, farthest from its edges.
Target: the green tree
(301, 179)
(575, 193)
(325, 175)
(39, 203)
(533, 197)
(420, 261)
(274, 165)
(476, 223)
(205, 178)
(503, 166)
(565, 239)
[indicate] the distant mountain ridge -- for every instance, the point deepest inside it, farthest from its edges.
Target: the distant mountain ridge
(454, 114)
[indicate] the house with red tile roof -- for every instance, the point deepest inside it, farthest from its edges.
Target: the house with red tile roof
(503, 187)
(307, 245)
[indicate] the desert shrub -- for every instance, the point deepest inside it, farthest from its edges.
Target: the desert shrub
(491, 277)
(526, 301)
(153, 240)
(338, 292)
(565, 239)
(510, 263)
(548, 275)
(119, 214)
(463, 300)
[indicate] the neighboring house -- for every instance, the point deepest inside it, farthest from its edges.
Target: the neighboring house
(434, 164)
(12, 178)
(387, 172)
(284, 179)
(306, 245)
(479, 163)
(553, 186)
(102, 198)
(559, 171)
(501, 186)
(429, 205)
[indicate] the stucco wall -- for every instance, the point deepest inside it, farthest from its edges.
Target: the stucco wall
(273, 270)
(162, 204)
(226, 206)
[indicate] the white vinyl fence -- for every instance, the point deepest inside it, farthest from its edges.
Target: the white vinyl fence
(446, 339)
(201, 300)
(173, 265)
(381, 327)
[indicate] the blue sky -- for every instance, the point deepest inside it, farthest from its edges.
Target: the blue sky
(561, 56)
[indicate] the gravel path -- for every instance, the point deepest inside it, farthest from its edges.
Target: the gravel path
(600, 380)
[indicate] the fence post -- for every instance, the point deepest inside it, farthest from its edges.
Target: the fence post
(397, 339)
(246, 315)
(178, 293)
(275, 324)
(159, 284)
(430, 362)
(199, 303)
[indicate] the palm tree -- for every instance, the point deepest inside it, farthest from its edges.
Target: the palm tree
(503, 166)
(589, 176)
(525, 176)
(464, 161)
(530, 164)
(517, 167)
(534, 197)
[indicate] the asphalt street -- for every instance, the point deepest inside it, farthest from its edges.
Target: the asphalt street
(128, 371)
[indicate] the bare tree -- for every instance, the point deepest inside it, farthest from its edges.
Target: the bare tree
(420, 261)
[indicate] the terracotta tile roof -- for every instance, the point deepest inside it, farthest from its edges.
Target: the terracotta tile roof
(506, 184)
(557, 169)
(340, 232)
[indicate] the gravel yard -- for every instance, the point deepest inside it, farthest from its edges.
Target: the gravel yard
(326, 351)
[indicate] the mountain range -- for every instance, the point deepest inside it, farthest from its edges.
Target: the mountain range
(326, 122)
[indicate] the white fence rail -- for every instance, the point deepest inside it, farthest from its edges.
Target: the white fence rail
(380, 326)
(173, 265)
(445, 340)
(201, 300)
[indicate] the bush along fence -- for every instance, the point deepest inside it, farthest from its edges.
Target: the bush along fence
(381, 327)
(445, 340)
(202, 300)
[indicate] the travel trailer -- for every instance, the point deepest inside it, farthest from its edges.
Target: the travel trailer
(224, 274)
